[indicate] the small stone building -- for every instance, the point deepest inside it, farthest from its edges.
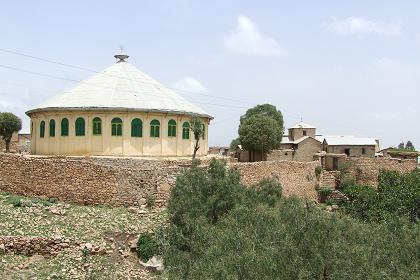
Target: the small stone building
(338, 148)
(119, 111)
(299, 145)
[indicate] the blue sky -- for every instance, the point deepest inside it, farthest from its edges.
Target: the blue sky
(347, 68)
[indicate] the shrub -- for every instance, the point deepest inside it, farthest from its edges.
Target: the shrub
(296, 240)
(147, 246)
(318, 171)
(323, 193)
(397, 194)
(150, 201)
(220, 230)
(269, 191)
(14, 200)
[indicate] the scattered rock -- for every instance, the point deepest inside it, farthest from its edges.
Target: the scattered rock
(133, 244)
(154, 264)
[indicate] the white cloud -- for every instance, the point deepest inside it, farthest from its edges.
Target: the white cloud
(247, 40)
(361, 26)
(190, 84)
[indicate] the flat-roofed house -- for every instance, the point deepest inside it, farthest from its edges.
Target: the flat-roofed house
(338, 148)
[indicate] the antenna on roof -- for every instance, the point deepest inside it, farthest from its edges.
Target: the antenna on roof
(301, 119)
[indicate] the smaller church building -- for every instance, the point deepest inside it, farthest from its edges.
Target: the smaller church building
(304, 144)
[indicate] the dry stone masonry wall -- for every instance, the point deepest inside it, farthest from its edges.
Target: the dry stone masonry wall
(87, 181)
(129, 181)
(296, 178)
(367, 169)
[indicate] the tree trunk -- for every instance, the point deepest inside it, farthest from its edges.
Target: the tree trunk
(196, 147)
(7, 140)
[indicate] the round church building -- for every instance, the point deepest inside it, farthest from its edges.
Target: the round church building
(120, 111)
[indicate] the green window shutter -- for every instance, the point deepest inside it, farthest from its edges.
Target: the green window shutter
(136, 128)
(172, 128)
(186, 130)
(80, 127)
(154, 128)
(204, 131)
(52, 128)
(42, 129)
(116, 127)
(65, 127)
(97, 126)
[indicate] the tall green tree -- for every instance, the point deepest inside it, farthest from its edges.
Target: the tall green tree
(261, 129)
(265, 110)
(235, 142)
(409, 146)
(9, 124)
(197, 128)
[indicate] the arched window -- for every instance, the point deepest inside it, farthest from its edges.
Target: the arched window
(186, 130)
(80, 127)
(154, 128)
(136, 128)
(65, 127)
(52, 128)
(116, 127)
(97, 126)
(172, 128)
(42, 129)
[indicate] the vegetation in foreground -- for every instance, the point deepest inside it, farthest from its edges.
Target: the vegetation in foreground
(221, 230)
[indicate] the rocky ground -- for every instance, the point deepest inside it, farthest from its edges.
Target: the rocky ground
(41, 239)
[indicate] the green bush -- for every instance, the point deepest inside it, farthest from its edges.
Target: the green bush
(296, 240)
(147, 246)
(220, 230)
(323, 193)
(150, 201)
(14, 200)
(318, 171)
(397, 195)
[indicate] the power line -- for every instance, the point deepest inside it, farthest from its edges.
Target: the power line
(77, 81)
(120, 77)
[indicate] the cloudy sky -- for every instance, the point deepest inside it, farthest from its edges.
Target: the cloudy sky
(347, 68)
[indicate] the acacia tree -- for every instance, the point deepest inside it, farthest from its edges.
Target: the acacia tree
(197, 128)
(261, 129)
(9, 124)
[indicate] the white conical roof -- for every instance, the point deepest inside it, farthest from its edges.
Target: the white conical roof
(121, 87)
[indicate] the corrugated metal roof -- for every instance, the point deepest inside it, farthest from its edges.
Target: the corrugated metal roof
(286, 140)
(302, 125)
(349, 141)
(121, 87)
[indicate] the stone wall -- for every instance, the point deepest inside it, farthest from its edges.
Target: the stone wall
(129, 181)
(367, 169)
(88, 181)
(34, 245)
(296, 178)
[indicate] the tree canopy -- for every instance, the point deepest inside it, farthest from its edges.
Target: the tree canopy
(9, 124)
(265, 110)
(218, 229)
(235, 142)
(261, 128)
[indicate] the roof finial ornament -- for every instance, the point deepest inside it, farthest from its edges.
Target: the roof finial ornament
(121, 57)
(301, 119)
